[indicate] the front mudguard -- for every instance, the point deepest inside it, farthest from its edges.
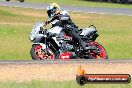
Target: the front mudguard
(41, 44)
(47, 49)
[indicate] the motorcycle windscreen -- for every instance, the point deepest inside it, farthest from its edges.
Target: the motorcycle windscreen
(38, 38)
(36, 29)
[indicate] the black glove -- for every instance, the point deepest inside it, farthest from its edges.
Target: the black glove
(75, 26)
(47, 22)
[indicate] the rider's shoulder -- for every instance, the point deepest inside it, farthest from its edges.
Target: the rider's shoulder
(64, 12)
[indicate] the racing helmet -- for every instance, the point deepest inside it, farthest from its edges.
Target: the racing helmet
(53, 9)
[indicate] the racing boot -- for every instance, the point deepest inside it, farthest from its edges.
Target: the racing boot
(86, 47)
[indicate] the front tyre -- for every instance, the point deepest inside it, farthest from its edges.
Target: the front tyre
(37, 53)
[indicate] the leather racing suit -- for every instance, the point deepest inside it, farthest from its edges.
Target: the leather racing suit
(63, 19)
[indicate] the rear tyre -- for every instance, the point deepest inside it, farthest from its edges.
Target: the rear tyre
(101, 51)
(21, 0)
(7, 0)
(37, 53)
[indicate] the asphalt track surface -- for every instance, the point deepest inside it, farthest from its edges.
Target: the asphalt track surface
(114, 11)
(74, 61)
(99, 10)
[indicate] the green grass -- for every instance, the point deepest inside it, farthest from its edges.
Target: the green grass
(14, 33)
(83, 3)
(16, 24)
(14, 41)
(57, 84)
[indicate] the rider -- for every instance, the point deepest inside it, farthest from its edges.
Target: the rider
(62, 18)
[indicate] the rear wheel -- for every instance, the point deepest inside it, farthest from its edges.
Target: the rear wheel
(37, 53)
(21, 0)
(101, 52)
(7, 0)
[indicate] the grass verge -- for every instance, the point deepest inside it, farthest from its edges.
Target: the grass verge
(57, 84)
(16, 24)
(83, 3)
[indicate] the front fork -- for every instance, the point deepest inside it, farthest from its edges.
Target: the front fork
(41, 44)
(44, 47)
(46, 52)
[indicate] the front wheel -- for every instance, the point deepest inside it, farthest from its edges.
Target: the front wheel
(100, 52)
(37, 53)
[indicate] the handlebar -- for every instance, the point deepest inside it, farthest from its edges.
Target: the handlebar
(92, 26)
(43, 27)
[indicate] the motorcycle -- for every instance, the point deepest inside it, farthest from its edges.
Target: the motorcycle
(55, 43)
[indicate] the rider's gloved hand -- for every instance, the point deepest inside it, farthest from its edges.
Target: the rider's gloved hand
(75, 26)
(47, 22)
